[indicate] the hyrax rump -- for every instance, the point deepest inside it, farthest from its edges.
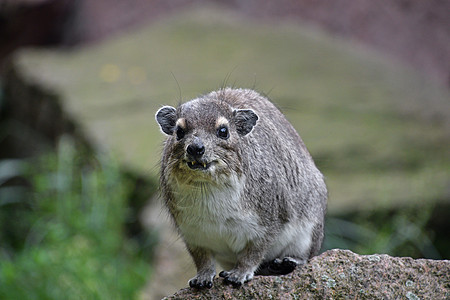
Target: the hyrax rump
(240, 186)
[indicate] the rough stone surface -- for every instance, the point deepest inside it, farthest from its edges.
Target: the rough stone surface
(342, 274)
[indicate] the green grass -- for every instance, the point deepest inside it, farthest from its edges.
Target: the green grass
(72, 243)
(405, 232)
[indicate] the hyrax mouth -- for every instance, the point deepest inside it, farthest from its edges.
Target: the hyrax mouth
(195, 165)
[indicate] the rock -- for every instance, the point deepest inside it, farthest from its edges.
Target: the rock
(342, 274)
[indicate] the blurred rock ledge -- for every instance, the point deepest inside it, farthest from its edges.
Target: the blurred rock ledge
(416, 32)
(32, 118)
(342, 274)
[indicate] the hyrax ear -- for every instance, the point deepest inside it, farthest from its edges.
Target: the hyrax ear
(166, 118)
(245, 120)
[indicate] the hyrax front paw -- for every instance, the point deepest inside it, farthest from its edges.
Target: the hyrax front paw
(235, 277)
(202, 281)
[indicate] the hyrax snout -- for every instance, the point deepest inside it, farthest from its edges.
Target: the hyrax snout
(240, 186)
(196, 149)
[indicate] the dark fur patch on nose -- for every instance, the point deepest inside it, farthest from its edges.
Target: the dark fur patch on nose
(196, 149)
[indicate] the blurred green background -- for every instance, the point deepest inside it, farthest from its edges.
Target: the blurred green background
(70, 212)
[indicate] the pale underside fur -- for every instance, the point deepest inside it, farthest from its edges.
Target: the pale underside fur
(212, 217)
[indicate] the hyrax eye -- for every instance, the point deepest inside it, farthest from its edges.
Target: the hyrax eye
(223, 133)
(180, 133)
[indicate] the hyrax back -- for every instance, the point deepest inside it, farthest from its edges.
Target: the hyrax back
(240, 185)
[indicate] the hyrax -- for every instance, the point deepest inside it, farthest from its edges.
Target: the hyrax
(240, 186)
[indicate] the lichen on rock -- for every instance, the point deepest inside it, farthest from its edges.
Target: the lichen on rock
(342, 274)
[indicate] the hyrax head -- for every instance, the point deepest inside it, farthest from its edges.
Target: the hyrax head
(204, 137)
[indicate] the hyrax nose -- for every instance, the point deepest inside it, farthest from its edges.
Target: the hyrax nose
(196, 149)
